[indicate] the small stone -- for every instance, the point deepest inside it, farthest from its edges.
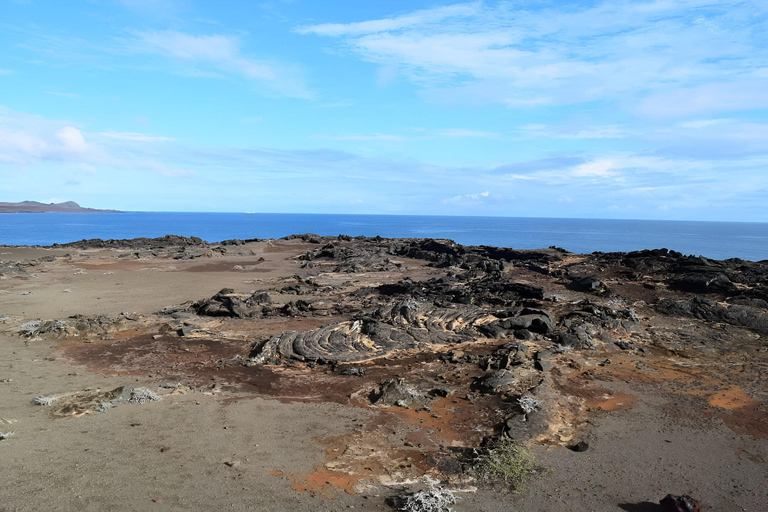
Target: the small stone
(443, 392)
(684, 503)
(184, 331)
(581, 446)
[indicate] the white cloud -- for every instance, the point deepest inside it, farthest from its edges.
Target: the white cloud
(514, 176)
(220, 53)
(137, 137)
(596, 168)
(468, 199)
(72, 139)
(443, 133)
(532, 54)
(701, 123)
(417, 18)
(724, 96)
(175, 173)
(372, 137)
(591, 132)
(27, 139)
(5, 72)
(461, 133)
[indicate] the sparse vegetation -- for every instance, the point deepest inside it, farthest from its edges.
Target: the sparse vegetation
(507, 461)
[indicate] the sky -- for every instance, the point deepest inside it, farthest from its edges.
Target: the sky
(640, 109)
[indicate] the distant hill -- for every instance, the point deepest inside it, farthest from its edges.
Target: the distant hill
(35, 207)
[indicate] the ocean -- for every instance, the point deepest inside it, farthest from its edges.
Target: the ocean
(719, 240)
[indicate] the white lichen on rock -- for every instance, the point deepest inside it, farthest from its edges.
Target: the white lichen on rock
(528, 404)
(143, 396)
(29, 328)
(44, 400)
(104, 406)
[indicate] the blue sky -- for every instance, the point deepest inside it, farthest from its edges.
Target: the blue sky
(651, 109)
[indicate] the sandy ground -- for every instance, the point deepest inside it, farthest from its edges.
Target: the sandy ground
(243, 447)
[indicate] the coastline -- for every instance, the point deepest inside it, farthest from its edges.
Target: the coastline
(713, 240)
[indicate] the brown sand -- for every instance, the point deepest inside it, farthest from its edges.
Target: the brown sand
(279, 439)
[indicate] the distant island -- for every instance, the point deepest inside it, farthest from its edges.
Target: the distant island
(35, 207)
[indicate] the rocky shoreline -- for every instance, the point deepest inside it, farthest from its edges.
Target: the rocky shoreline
(455, 346)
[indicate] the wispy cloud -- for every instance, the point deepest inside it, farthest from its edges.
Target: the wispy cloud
(467, 199)
(684, 56)
(418, 18)
(424, 134)
(65, 94)
(5, 72)
(155, 8)
(461, 133)
(372, 137)
(335, 104)
(591, 132)
(133, 136)
(583, 183)
(596, 168)
(220, 54)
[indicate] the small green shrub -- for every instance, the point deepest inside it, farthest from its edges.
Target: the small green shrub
(508, 461)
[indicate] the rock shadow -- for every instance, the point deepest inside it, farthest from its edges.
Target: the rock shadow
(643, 506)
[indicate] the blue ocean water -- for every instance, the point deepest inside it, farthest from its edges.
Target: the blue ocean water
(718, 240)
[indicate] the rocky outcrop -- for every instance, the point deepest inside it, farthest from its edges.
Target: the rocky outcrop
(228, 303)
(363, 257)
(712, 311)
(163, 242)
(512, 382)
(407, 324)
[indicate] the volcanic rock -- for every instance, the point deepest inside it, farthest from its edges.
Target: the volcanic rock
(684, 503)
(510, 382)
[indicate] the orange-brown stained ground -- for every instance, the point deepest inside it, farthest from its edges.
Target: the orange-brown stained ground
(595, 397)
(731, 399)
(438, 421)
(321, 481)
(229, 266)
(390, 448)
(356, 459)
(613, 402)
(742, 413)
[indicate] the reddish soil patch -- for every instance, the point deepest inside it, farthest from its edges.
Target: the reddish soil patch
(751, 420)
(126, 264)
(596, 398)
(743, 414)
(321, 481)
(229, 266)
